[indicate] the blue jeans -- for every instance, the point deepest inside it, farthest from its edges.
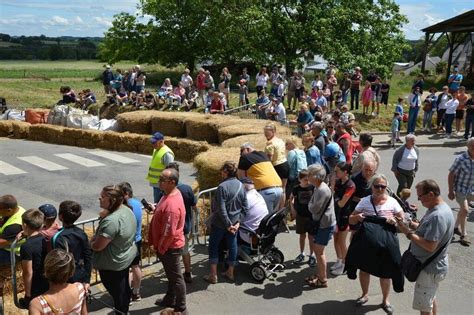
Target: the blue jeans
(345, 96)
(272, 197)
(427, 117)
(217, 234)
(354, 98)
(449, 122)
(412, 115)
(469, 124)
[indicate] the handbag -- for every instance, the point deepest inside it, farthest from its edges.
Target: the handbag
(312, 226)
(411, 266)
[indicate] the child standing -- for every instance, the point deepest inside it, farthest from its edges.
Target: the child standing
(399, 109)
(50, 226)
(32, 254)
(299, 200)
(72, 239)
(366, 97)
(395, 129)
(243, 93)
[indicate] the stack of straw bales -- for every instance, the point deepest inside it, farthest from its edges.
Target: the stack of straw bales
(208, 165)
(14, 129)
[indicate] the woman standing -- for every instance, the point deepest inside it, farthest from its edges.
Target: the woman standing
(62, 297)
(343, 191)
(276, 152)
(321, 207)
(262, 80)
(113, 246)
(224, 85)
(229, 205)
(405, 163)
(450, 113)
(381, 205)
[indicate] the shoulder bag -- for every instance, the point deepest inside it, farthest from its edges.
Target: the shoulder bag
(312, 226)
(411, 266)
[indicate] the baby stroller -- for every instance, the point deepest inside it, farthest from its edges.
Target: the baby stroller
(409, 212)
(262, 255)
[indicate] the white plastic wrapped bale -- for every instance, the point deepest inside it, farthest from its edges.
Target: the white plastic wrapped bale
(13, 114)
(108, 124)
(82, 121)
(58, 115)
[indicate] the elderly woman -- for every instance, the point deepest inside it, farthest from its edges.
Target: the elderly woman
(405, 163)
(62, 297)
(113, 246)
(383, 206)
(321, 207)
(276, 152)
(229, 205)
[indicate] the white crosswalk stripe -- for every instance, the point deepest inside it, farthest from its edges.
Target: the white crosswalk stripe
(114, 157)
(42, 163)
(8, 169)
(79, 160)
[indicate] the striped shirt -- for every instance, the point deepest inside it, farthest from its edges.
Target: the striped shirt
(47, 309)
(463, 168)
(387, 210)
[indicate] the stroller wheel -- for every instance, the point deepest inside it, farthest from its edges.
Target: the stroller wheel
(257, 272)
(276, 256)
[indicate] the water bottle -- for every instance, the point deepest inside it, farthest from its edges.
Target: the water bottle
(206, 111)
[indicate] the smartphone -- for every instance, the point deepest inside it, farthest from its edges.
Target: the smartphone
(146, 205)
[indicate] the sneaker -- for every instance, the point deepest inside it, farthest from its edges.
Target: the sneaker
(312, 261)
(448, 136)
(338, 271)
(299, 259)
(336, 265)
(135, 298)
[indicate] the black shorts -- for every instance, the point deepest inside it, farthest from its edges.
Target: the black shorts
(460, 114)
(342, 219)
(283, 170)
(136, 260)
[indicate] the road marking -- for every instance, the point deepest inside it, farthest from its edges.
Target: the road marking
(79, 160)
(42, 163)
(8, 169)
(114, 157)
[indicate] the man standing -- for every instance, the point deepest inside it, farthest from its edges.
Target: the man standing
(432, 234)
(107, 77)
(162, 156)
(454, 80)
(461, 187)
(355, 88)
(10, 226)
(316, 131)
(257, 166)
(167, 237)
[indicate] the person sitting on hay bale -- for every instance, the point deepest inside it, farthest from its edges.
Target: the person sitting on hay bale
(10, 226)
(217, 106)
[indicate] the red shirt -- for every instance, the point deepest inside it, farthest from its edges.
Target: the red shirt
(349, 152)
(166, 226)
(217, 106)
(200, 81)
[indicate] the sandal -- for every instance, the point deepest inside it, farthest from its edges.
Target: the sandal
(316, 284)
(210, 279)
(388, 308)
(310, 279)
(361, 301)
(228, 277)
(464, 241)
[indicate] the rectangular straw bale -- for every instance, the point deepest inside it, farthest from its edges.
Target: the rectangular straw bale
(136, 122)
(73, 133)
(132, 140)
(208, 165)
(205, 127)
(111, 141)
(236, 130)
(39, 132)
(258, 140)
(171, 123)
(21, 129)
(186, 150)
(6, 128)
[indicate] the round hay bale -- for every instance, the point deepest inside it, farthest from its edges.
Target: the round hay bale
(205, 127)
(208, 165)
(6, 128)
(136, 122)
(21, 129)
(186, 150)
(258, 140)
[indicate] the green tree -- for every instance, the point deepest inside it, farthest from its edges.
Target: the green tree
(55, 52)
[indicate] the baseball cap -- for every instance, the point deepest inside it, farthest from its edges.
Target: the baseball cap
(246, 180)
(332, 149)
(49, 211)
(157, 136)
(107, 66)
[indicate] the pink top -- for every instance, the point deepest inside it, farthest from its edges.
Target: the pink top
(167, 224)
(47, 309)
(366, 96)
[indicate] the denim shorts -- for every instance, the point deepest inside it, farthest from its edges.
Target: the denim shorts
(323, 236)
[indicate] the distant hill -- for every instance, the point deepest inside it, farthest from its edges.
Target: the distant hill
(47, 48)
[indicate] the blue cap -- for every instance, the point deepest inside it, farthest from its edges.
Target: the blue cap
(331, 150)
(157, 136)
(49, 211)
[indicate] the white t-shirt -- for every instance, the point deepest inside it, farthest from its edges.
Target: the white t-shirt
(443, 101)
(280, 109)
(257, 210)
(262, 80)
(317, 83)
(388, 210)
(451, 106)
(408, 161)
(186, 80)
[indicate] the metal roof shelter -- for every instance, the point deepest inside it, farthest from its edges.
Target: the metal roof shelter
(456, 29)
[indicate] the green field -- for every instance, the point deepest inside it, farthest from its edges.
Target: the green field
(36, 84)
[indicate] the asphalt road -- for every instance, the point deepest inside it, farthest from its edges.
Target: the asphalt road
(284, 295)
(69, 173)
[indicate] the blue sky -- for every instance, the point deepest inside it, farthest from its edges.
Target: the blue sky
(93, 17)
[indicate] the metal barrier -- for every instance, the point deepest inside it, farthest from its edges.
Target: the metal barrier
(203, 196)
(248, 111)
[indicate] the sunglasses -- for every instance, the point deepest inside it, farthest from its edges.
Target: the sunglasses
(380, 186)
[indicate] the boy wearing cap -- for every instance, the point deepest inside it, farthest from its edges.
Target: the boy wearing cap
(50, 225)
(162, 156)
(32, 254)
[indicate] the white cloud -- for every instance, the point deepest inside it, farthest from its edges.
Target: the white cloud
(417, 20)
(103, 21)
(78, 20)
(57, 20)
